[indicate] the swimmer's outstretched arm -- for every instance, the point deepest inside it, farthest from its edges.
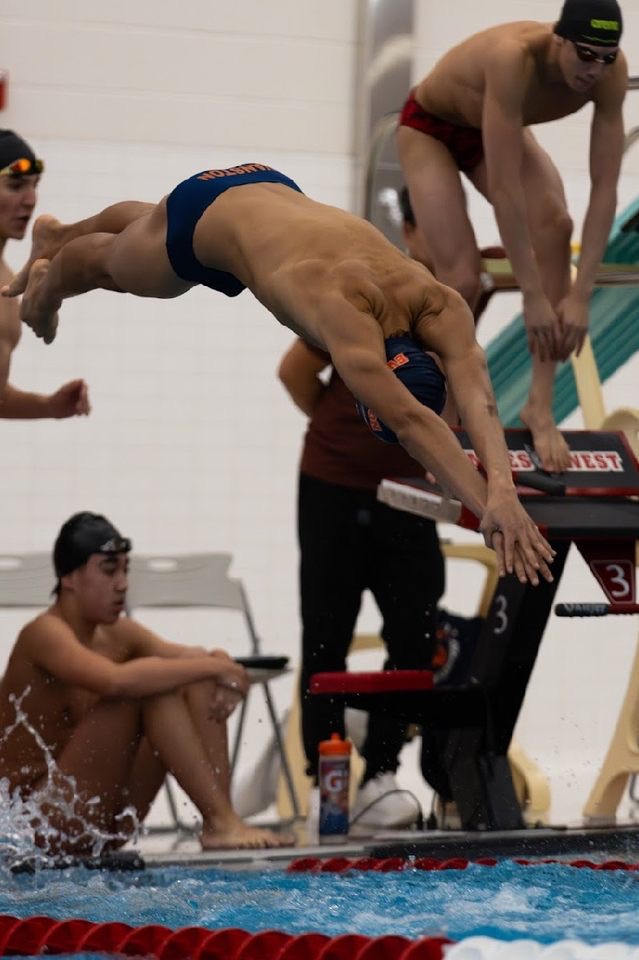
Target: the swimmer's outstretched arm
(357, 352)
(451, 333)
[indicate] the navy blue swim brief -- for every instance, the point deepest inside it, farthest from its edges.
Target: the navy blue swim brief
(186, 204)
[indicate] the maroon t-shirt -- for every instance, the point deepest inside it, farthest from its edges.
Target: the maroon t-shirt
(339, 448)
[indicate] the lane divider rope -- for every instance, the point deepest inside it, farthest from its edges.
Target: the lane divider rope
(388, 864)
(37, 935)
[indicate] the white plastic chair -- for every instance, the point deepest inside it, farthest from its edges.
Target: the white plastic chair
(26, 580)
(202, 580)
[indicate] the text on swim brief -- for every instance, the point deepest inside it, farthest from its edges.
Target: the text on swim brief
(233, 171)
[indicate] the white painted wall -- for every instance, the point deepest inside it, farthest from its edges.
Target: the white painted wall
(192, 443)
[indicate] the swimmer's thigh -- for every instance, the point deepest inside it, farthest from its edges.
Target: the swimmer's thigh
(439, 203)
(99, 757)
(138, 262)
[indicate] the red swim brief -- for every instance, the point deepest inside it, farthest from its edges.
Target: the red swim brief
(464, 143)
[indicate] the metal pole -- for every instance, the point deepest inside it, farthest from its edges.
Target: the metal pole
(385, 74)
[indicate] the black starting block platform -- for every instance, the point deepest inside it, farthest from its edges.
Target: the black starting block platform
(595, 505)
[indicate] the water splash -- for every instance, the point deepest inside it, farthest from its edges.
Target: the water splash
(26, 834)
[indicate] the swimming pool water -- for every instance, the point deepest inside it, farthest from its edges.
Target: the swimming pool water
(545, 902)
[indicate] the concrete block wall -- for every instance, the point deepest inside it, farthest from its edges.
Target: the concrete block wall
(192, 444)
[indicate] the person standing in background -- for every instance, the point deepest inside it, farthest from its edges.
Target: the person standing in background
(349, 542)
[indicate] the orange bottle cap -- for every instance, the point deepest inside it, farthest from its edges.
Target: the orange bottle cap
(335, 746)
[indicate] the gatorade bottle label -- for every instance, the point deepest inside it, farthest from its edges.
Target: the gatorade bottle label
(333, 786)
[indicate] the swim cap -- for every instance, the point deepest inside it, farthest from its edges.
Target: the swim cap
(591, 21)
(418, 372)
(12, 148)
(83, 535)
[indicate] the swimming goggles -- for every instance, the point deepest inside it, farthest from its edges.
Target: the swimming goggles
(586, 55)
(114, 545)
(22, 167)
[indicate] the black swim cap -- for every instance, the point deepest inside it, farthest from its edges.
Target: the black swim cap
(83, 535)
(420, 375)
(12, 148)
(598, 22)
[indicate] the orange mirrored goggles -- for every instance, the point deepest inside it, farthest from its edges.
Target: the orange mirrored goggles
(23, 167)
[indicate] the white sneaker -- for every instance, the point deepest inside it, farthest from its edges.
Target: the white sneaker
(383, 805)
(256, 788)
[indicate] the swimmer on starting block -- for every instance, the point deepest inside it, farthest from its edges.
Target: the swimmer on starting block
(330, 277)
(116, 707)
(472, 114)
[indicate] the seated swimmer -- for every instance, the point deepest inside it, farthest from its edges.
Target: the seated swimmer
(117, 706)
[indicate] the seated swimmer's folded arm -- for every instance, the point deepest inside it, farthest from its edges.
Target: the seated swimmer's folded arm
(51, 645)
(142, 642)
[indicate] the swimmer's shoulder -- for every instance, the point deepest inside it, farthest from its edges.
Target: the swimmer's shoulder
(441, 319)
(517, 34)
(45, 625)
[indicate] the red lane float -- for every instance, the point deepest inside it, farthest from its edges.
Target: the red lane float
(383, 865)
(37, 935)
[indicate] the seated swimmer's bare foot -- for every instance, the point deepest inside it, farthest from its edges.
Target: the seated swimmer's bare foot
(46, 239)
(550, 445)
(237, 835)
(36, 310)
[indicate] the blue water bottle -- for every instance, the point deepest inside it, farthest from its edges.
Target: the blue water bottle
(334, 777)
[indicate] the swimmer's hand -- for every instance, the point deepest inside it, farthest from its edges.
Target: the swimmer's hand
(574, 315)
(233, 676)
(223, 703)
(221, 653)
(542, 327)
(231, 687)
(520, 547)
(69, 400)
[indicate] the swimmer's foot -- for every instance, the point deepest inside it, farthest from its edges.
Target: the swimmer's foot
(36, 309)
(237, 835)
(48, 236)
(552, 449)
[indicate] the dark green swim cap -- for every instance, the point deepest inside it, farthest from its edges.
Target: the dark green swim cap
(596, 22)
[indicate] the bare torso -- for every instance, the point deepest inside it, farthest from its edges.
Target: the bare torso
(293, 253)
(54, 708)
(454, 88)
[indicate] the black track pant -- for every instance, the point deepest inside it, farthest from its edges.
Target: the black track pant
(349, 543)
